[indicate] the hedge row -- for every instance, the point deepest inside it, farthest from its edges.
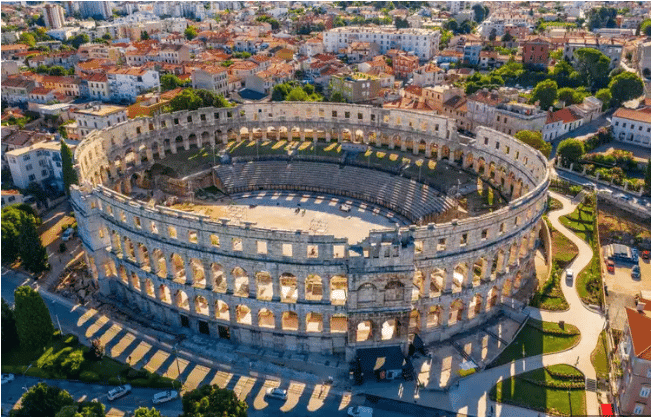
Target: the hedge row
(556, 332)
(573, 377)
(554, 384)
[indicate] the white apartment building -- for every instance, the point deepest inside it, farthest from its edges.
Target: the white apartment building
(98, 117)
(632, 126)
(53, 16)
(212, 78)
(423, 42)
(40, 163)
(126, 84)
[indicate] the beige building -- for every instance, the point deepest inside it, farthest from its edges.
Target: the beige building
(357, 87)
(634, 391)
(513, 117)
(98, 117)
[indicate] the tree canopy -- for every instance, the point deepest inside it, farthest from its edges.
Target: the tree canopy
(571, 95)
(534, 139)
(171, 81)
(20, 238)
(43, 400)
(33, 322)
(147, 412)
(8, 328)
(69, 173)
(213, 401)
(571, 149)
(83, 409)
(593, 67)
(33, 255)
(292, 91)
(626, 86)
(546, 93)
(190, 32)
(192, 99)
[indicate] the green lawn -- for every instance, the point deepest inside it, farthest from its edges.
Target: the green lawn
(545, 389)
(600, 357)
(563, 249)
(537, 338)
(553, 204)
(50, 363)
(589, 282)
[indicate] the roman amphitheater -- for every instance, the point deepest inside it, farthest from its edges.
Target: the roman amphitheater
(290, 226)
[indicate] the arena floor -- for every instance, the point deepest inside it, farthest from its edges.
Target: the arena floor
(316, 213)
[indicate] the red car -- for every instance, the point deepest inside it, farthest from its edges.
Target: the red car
(610, 265)
(646, 255)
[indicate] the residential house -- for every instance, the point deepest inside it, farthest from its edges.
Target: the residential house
(561, 122)
(211, 77)
(356, 87)
(16, 90)
(41, 95)
(68, 86)
(98, 118)
(428, 75)
(9, 51)
(312, 47)
(535, 52)
(126, 84)
(633, 396)
(612, 48)
(404, 64)
(472, 53)
(39, 163)
(437, 95)
(98, 86)
(631, 126)
(423, 42)
(361, 51)
(174, 54)
(482, 106)
(263, 81)
(513, 117)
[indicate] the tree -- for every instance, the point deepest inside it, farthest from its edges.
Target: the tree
(106, 37)
(605, 96)
(34, 189)
(171, 81)
(593, 67)
(144, 35)
(507, 37)
(69, 173)
(546, 93)
(337, 97)
(79, 40)
(571, 95)
(83, 409)
(97, 349)
(297, 94)
(187, 100)
(147, 412)
(466, 27)
(33, 255)
(12, 221)
(9, 333)
(190, 32)
(211, 400)
(626, 86)
(33, 322)
(493, 35)
(480, 12)
(401, 23)
(452, 25)
(571, 149)
(534, 139)
(28, 39)
(644, 28)
(42, 400)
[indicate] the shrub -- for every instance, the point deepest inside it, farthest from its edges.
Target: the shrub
(62, 247)
(71, 364)
(89, 376)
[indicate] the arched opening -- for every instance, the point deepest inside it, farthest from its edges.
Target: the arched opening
(241, 282)
(314, 323)
(199, 279)
(160, 261)
(456, 311)
(221, 310)
(243, 315)
(149, 288)
(507, 288)
(364, 331)
(178, 268)
(390, 329)
(201, 305)
(122, 273)
(290, 321)
(288, 288)
(414, 322)
(145, 256)
(218, 280)
(475, 306)
(338, 289)
(136, 282)
(181, 300)
(264, 286)
(434, 317)
(459, 274)
(313, 288)
(493, 298)
(418, 285)
(266, 318)
(478, 271)
(438, 277)
(129, 247)
(164, 294)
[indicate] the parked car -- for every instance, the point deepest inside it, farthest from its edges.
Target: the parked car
(67, 234)
(610, 265)
(646, 255)
(360, 411)
(165, 396)
(118, 392)
(6, 378)
(277, 393)
(570, 275)
(345, 207)
(635, 272)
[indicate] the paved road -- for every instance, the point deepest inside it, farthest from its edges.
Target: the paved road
(575, 178)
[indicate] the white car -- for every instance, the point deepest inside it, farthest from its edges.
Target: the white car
(360, 411)
(165, 396)
(118, 392)
(570, 275)
(345, 207)
(277, 393)
(7, 378)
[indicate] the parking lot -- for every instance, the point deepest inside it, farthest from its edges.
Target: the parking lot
(622, 289)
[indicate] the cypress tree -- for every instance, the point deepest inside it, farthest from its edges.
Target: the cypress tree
(69, 173)
(32, 252)
(33, 322)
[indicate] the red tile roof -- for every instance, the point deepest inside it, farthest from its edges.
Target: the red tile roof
(640, 331)
(641, 115)
(567, 116)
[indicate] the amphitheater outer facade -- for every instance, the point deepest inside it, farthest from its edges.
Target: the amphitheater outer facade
(185, 270)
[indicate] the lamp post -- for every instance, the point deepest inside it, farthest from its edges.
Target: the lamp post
(175, 352)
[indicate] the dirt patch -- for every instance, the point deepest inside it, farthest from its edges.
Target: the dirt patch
(619, 226)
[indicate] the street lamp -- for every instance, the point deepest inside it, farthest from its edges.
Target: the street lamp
(175, 351)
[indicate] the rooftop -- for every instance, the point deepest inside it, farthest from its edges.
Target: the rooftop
(101, 111)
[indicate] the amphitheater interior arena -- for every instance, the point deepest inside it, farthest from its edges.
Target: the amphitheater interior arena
(304, 250)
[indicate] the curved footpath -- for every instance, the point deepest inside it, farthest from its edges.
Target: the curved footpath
(471, 396)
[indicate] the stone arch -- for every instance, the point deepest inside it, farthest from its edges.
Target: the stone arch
(264, 287)
(243, 315)
(178, 268)
(218, 280)
(313, 290)
(289, 288)
(135, 281)
(149, 288)
(507, 288)
(181, 300)
(459, 276)
(434, 317)
(414, 321)
(201, 305)
(475, 306)
(199, 278)
(418, 285)
(519, 277)
(129, 248)
(364, 331)
(145, 256)
(393, 291)
(115, 242)
(164, 294)
(338, 323)
(266, 318)
(338, 290)
(221, 310)
(514, 252)
(390, 329)
(438, 280)
(241, 282)
(497, 263)
(122, 273)
(314, 322)
(290, 321)
(524, 245)
(492, 298)
(478, 269)
(456, 310)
